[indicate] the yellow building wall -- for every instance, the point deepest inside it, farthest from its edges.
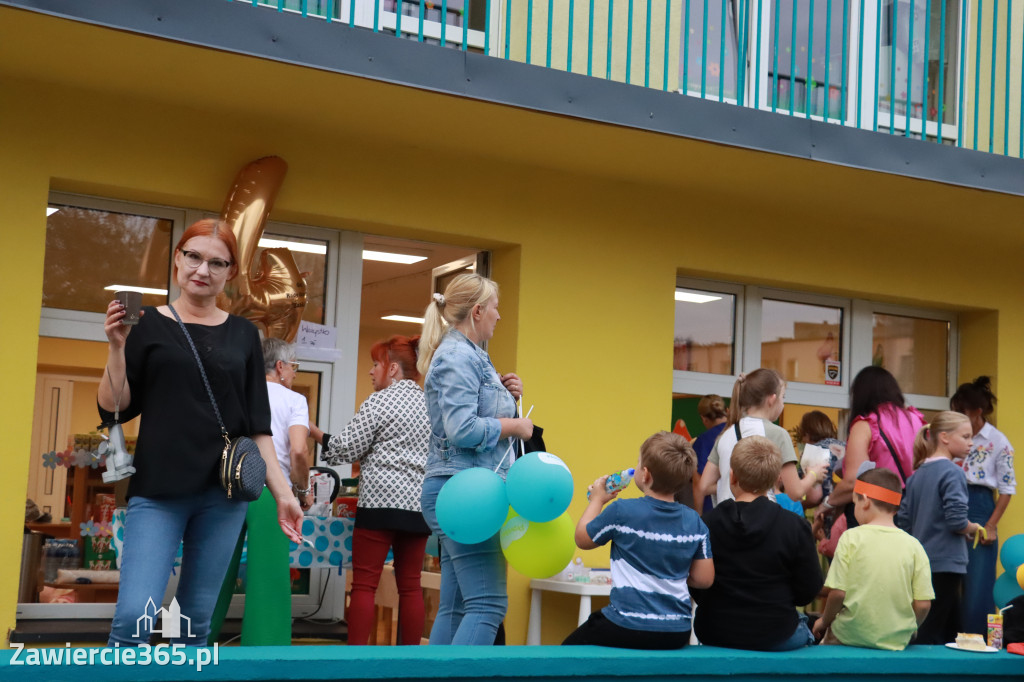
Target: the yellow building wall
(587, 254)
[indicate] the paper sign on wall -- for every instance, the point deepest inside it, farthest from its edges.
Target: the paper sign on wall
(317, 341)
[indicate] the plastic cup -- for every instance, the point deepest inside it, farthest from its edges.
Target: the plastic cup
(132, 302)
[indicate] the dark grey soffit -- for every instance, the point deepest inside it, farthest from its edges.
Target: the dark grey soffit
(315, 43)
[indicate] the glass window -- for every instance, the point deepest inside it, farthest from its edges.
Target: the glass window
(901, 86)
(915, 350)
(796, 67)
(705, 60)
(92, 253)
(801, 341)
(311, 258)
(705, 331)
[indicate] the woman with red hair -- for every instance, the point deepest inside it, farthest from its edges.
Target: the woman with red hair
(175, 493)
(388, 436)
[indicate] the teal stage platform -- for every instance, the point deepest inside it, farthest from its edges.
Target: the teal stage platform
(549, 664)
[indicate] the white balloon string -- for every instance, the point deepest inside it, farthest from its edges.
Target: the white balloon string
(522, 443)
(512, 443)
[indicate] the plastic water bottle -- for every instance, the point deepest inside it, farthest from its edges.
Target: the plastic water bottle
(617, 481)
(50, 561)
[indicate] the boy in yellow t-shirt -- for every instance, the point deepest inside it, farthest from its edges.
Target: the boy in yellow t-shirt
(880, 584)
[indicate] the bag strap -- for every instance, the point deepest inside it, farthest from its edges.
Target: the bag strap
(892, 450)
(202, 371)
(736, 428)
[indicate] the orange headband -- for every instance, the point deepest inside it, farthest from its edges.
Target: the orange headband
(877, 492)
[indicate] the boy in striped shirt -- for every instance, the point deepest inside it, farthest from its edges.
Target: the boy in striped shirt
(659, 549)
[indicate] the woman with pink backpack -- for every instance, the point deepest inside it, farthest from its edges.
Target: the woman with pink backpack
(882, 431)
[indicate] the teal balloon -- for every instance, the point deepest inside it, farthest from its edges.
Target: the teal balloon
(539, 486)
(538, 550)
(472, 505)
(1006, 589)
(1012, 553)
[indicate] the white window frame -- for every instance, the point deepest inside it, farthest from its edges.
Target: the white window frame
(863, 313)
(702, 383)
(79, 324)
(869, 85)
(856, 344)
(800, 392)
(864, 100)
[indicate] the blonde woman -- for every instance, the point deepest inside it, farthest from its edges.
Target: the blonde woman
(472, 412)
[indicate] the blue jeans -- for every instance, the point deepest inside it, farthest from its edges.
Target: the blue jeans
(801, 637)
(977, 600)
(209, 524)
(473, 596)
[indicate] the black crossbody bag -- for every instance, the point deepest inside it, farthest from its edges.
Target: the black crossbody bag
(242, 470)
(851, 522)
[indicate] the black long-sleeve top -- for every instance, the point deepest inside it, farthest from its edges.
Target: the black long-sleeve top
(179, 443)
(766, 565)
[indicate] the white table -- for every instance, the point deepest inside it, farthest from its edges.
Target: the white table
(584, 590)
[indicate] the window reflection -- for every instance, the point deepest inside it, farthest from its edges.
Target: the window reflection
(914, 350)
(704, 331)
(801, 341)
(88, 250)
(311, 258)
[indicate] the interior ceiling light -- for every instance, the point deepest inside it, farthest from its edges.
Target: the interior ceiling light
(403, 258)
(403, 318)
(50, 210)
(320, 249)
(141, 290)
(691, 297)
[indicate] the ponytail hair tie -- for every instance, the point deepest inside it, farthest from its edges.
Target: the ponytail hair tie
(741, 377)
(439, 300)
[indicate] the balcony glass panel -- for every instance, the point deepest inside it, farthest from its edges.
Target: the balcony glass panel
(805, 68)
(801, 342)
(915, 350)
(934, 33)
(704, 66)
(705, 331)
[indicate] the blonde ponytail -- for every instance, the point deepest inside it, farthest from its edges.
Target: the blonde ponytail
(752, 390)
(434, 328)
(449, 310)
(927, 439)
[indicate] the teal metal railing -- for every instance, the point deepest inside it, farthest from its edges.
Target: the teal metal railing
(946, 71)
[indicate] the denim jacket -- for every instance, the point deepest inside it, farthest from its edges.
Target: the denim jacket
(465, 399)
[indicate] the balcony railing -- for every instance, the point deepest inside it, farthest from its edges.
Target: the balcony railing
(946, 71)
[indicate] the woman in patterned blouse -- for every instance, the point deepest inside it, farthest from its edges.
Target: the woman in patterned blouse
(989, 470)
(388, 436)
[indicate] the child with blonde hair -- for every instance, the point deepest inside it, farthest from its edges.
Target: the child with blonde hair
(758, 399)
(659, 549)
(934, 510)
(879, 584)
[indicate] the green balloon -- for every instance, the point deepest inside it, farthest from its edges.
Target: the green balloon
(538, 550)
